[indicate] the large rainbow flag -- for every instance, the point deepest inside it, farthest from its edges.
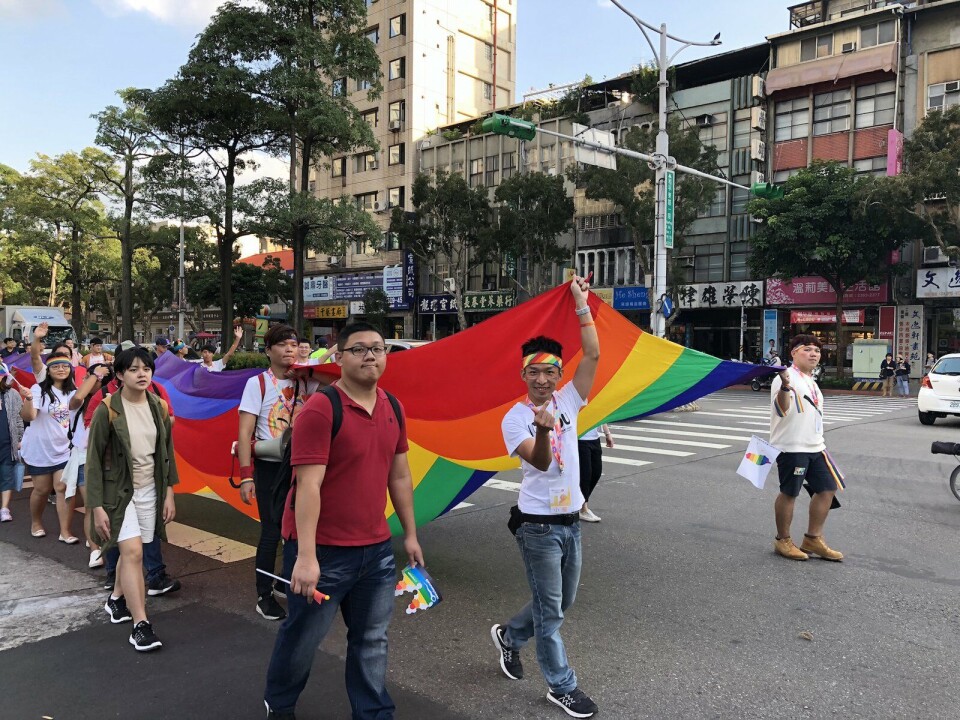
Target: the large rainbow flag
(455, 393)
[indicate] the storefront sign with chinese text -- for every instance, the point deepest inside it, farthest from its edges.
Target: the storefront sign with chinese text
(605, 294)
(326, 312)
(909, 340)
(748, 293)
(938, 282)
(397, 281)
(491, 301)
(317, 288)
(826, 317)
(631, 298)
(817, 291)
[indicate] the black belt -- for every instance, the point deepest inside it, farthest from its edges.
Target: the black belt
(567, 519)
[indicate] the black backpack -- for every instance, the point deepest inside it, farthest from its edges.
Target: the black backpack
(284, 481)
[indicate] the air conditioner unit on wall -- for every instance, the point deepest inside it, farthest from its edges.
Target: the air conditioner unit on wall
(333, 260)
(758, 118)
(848, 47)
(685, 261)
(935, 256)
(951, 86)
(705, 120)
(380, 206)
(395, 125)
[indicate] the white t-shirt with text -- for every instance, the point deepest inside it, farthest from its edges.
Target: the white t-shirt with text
(45, 441)
(538, 488)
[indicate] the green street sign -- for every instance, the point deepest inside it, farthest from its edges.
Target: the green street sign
(668, 225)
(94, 327)
(512, 127)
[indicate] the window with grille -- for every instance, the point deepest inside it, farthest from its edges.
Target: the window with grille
(792, 119)
(816, 47)
(878, 33)
(831, 112)
(875, 104)
(490, 169)
(509, 164)
(943, 95)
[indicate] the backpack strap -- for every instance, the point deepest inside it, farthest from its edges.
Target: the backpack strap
(396, 408)
(337, 405)
(263, 388)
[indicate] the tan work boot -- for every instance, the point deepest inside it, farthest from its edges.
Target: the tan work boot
(816, 546)
(785, 547)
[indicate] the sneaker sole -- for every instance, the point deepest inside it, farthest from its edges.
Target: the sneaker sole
(569, 711)
(161, 591)
(113, 620)
(823, 557)
(496, 641)
(145, 648)
(262, 614)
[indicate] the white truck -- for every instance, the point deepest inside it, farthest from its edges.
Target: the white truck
(19, 322)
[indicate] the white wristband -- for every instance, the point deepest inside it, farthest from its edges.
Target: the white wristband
(585, 310)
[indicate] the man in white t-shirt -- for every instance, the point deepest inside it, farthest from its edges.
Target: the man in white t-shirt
(542, 430)
(796, 430)
(208, 351)
(266, 409)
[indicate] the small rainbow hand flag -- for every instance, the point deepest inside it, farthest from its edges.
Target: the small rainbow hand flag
(416, 580)
(757, 461)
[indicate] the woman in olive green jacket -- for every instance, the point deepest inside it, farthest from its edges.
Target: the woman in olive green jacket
(130, 474)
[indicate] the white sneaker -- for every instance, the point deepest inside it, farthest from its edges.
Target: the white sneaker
(96, 559)
(589, 515)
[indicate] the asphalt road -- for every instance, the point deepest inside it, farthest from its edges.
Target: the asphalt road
(683, 610)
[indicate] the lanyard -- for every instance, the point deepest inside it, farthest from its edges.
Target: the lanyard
(276, 386)
(814, 395)
(554, 434)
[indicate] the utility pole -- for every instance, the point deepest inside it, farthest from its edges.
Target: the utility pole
(662, 160)
(181, 290)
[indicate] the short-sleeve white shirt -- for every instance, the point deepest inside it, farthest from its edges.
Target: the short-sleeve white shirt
(215, 366)
(272, 416)
(535, 489)
(45, 442)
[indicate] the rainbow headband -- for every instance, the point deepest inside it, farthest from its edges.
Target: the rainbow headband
(58, 361)
(542, 358)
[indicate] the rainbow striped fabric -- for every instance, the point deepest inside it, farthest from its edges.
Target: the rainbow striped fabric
(454, 408)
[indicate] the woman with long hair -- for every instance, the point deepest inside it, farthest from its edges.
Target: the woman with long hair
(11, 433)
(132, 500)
(46, 446)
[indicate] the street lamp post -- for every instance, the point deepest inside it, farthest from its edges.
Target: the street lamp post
(663, 161)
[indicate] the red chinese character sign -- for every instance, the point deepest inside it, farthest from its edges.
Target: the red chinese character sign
(817, 291)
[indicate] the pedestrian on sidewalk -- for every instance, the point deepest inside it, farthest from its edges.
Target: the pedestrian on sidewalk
(47, 406)
(336, 536)
(158, 581)
(267, 406)
(930, 362)
(130, 502)
(796, 429)
(902, 374)
(591, 466)
(11, 434)
(887, 371)
(542, 431)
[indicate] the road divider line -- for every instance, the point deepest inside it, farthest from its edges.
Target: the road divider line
(668, 441)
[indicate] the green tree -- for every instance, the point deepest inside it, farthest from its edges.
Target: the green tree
(831, 223)
(299, 56)
(376, 308)
(533, 211)
(450, 224)
(632, 186)
(127, 135)
(931, 181)
(249, 289)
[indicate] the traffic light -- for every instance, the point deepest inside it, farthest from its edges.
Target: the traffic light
(766, 190)
(512, 127)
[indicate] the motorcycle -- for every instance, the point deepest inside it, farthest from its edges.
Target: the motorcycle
(950, 448)
(764, 383)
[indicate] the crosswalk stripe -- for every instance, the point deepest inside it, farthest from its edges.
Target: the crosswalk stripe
(667, 441)
(683, 424)
(625, 461)
(655, 451)
(681, 433)
(498, 484)
(213, 546)
(462, 506)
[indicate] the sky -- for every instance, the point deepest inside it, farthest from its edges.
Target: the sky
(65, 59)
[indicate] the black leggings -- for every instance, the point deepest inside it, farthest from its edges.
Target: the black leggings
(591, 465)
(264, 478)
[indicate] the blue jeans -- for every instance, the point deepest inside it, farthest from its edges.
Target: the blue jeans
(152, 560)
(360, 581)
(551, 555)
(903, 385)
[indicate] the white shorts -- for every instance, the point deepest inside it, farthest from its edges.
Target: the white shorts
(140, 518)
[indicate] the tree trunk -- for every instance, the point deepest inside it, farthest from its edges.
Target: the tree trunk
(52, 296)
(126, 255)
(299, 234)
(76, 301)
(225, 252)
(841, 345)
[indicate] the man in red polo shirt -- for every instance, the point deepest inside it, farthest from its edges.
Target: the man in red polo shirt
(336, 534)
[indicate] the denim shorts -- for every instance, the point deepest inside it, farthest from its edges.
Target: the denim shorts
(8, 478)
(45, 469)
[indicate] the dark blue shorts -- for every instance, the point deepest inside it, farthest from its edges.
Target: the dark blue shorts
(45, 469)
(798, 468)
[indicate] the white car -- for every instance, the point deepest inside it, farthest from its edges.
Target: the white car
(940, 390)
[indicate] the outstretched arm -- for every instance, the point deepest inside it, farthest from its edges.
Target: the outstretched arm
(36, 347)
(589, 342)
(237, 337)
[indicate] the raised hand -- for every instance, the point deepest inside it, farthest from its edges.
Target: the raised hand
(238, 332)
(543, 419)
(40, 332)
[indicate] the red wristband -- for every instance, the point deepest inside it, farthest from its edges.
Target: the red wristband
(246, 472)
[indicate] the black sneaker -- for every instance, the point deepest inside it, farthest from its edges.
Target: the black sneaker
(269, 608)
(509, 659)
(272, 715)
(143, 639)
(162, 585)
(117, 609)
(110, 581)
(279, 590)
(574, 703)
